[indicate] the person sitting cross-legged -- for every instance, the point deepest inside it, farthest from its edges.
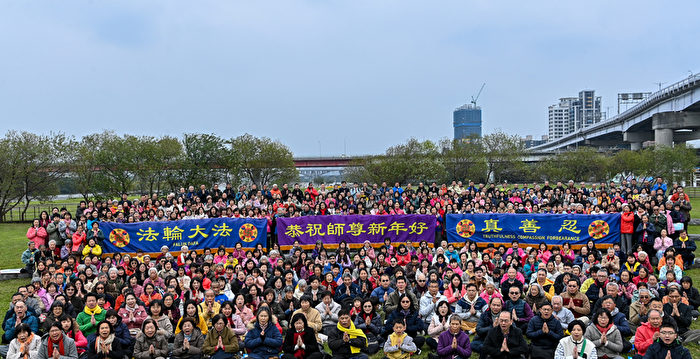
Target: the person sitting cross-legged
(544, 331)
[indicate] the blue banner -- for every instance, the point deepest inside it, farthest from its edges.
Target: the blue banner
(193, 233)
(552, 229)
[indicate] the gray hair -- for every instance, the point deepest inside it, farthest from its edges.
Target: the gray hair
(557, 297)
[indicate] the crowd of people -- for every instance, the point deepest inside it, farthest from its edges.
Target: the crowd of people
(454, 300)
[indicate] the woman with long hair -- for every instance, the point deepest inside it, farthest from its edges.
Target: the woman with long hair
(105, 345)
(370, 322)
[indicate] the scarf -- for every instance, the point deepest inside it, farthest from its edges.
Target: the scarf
(27, 342)
(95, 311)
(603, 330)
(396, 339)
(299, 353)
(107, 342)
(353, 333)
(50, 346)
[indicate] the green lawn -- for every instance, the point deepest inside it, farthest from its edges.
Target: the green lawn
(13, 241)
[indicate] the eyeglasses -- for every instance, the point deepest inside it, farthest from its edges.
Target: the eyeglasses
(514, 293)
(405, 301)
(644, 296)
(667, 333)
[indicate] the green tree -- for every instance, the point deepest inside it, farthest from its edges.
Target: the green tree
(201, 162)
(502, 153)
(674, 164)
(30, 167)
(464, 160)
(261, 160)
(411, 161)
(157, 157)
(84, 164)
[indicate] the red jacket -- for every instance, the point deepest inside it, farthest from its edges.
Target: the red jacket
(627, 223)
(644, 338)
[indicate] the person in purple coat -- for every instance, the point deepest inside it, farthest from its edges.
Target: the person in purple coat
(454, 343)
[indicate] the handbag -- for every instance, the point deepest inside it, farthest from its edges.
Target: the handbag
(678, 226)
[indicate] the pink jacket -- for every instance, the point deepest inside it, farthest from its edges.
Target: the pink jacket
(661, 244)
(37, 235)
(140, 315)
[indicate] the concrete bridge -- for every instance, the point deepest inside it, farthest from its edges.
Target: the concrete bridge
(671, 115)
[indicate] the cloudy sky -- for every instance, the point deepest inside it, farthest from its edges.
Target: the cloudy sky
(327, 77)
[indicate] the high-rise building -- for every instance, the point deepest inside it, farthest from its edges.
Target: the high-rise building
(574, 113)
(466, 121)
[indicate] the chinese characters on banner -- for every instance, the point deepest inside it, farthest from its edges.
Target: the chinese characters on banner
(355, 229)
(193, 233)
(552, 229)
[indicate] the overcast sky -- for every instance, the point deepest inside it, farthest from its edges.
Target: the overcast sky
(326, 76)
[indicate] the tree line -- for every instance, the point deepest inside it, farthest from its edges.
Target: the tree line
(499, 157)
(104, 165)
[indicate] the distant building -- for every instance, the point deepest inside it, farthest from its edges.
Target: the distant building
(574, 113)
(528, 141)
(466, 121)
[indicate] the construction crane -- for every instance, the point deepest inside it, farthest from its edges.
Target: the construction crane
(478, 94)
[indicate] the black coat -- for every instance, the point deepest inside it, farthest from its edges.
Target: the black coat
(659, 349)
(117, 352)
(684, 319)
(341, 349)
(516, 344)
(309, 339)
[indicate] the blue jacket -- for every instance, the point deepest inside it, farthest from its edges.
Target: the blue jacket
(379, 293)
(10, 326)
(341, 295)
(263, 347)
(621, 323)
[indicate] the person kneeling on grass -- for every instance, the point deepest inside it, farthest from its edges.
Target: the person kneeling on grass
(399, 345)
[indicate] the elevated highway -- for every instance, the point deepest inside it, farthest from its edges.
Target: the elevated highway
(671, 115)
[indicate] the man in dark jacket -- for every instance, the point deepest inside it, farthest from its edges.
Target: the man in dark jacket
(504, 341)
(667, 342)
(347, 342)
(678, 311)
(487, 321)
(544, 332)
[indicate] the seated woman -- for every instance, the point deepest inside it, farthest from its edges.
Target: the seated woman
(439, 323)
(189, 342)
(25, 345)
(132, 314)
(605, 335)
(221, 342)
(150, 344)
(121, 332)
(192, 310)
(105, 345)
(300, 340)
(454, 342)
(72, 330)
(233, 321)
(264, 340)
(406, 312)
(370, 322)
(576, 345)
(165, 328)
